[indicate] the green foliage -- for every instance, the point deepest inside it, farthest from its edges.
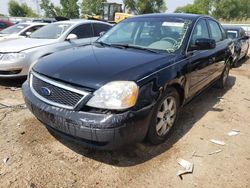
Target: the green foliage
(145, 6)
(50, 10)
(220, 9)
(15, 9)
(223, 11)
(194, 9)
(91, 7)
(70, 9)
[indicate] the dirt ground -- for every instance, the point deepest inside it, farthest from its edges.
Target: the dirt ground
(31, 157)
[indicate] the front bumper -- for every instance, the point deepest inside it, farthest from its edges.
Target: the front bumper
(102, 131)
(14, 69)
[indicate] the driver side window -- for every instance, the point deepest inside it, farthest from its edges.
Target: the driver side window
(200, 31)
(83, 31)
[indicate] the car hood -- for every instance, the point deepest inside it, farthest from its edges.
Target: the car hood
(92, 66)
(3, 35)
(10, 37)
(19, 45)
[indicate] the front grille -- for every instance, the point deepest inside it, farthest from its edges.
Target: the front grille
(58, 94)
(10, 72)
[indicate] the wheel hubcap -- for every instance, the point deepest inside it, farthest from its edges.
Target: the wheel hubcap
(166, 116)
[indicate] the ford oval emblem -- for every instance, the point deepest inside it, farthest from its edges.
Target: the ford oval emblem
(45, 91)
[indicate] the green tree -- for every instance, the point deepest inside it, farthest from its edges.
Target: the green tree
(198, 7)
(15, 9)
(50, 10)
(220, 9)
(245, 7)
(70, 9)
(145, 6)
(92, 7)
(28, 11)
(190, 8)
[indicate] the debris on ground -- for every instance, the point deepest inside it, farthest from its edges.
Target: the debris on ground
(215, 152)
(5, 160)
(196, 155)
(18, 106)
(218, 142)
(233, 133)
(13, 88)
(188, 167)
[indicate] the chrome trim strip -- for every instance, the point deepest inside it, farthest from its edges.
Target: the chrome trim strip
(57, 84)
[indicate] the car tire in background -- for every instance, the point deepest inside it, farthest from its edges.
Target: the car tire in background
(164, 116)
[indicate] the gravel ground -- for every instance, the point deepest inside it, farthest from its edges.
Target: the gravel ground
(30, 156)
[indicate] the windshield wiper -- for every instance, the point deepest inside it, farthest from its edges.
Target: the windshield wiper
(102, 43)
(135, 47)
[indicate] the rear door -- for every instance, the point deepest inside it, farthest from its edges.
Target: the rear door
(219, 54)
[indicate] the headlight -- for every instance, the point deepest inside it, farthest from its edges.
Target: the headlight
(118, 95)
(13, 56)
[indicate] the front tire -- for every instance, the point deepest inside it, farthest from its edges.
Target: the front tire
(164, 117)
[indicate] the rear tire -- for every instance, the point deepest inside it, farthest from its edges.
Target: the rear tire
(245, 55)
(222, 82)
(164, 117)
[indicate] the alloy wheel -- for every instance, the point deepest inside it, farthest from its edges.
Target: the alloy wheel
(166, 116)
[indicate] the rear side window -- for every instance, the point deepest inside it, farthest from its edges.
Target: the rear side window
(98, 28)
(32, 29)
(216, 33)
(83, 31)
(2, 25)
(200, 31)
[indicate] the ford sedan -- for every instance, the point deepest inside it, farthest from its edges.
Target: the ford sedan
(130, 84)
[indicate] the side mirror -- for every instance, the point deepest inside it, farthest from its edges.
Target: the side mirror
(71, 37)
(28, 33)
(204, 44)
(102, 33)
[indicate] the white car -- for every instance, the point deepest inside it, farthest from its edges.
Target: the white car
(17, 56)
(21, 30)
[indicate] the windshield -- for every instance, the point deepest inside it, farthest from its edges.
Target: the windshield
(51, 31)
(158, 34)
(232, 34)
(14, 29)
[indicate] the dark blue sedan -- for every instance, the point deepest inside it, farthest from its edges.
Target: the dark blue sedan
(130, 84)
(241, 41)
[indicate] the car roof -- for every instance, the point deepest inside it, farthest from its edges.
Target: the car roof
(33, 23)
(232, 27)
(172, 15)
(82, 21)
(4, 21)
